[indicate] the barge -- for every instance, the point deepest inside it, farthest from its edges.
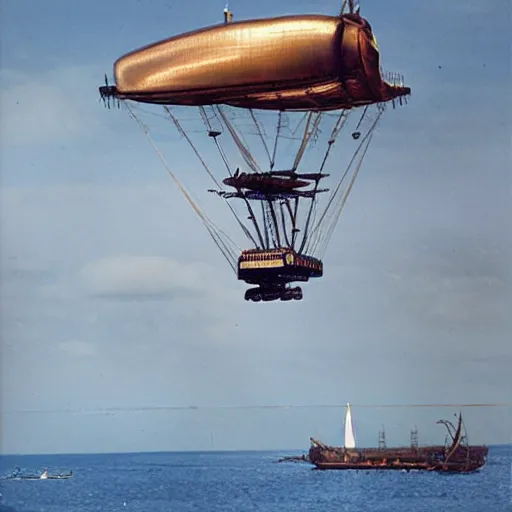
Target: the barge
(456, 455)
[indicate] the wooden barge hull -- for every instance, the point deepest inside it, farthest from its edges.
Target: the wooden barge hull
(461, 459)
(457, 457)
(450, 467)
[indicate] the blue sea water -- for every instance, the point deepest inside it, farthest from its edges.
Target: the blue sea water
(244, 481)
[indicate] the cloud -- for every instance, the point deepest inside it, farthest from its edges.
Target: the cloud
(53, 107)
(456, 302)
(201, 302)
(142, 278)
(70, 245)
(78, 348)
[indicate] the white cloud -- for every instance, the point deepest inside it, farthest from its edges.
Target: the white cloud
(78, 348)
(53, 108)
(143, 277)
(458, 301)
(199, 299)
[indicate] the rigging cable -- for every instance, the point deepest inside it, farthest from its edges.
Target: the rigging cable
(307, 137)
(325, 233)
(340, 123)
(246, 154)
(318, 231)
(210, 130)
(276, 140)
(210, 226)
(260, 133)
(187, 138)
(366, 144)
(210, 173)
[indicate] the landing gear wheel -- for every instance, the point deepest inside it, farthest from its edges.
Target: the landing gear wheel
(291, 294)
(297, 293)
(272, 293)
(253, 294)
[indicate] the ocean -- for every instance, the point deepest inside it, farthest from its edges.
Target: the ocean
(244, 481)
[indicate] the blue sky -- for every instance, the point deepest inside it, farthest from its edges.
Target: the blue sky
(416, 299)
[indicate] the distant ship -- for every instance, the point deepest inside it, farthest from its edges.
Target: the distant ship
(16, 475)
(455, 456)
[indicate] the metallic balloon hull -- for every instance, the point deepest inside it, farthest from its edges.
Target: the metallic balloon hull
(285, 63)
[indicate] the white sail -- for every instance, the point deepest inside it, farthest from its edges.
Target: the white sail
(350, 440)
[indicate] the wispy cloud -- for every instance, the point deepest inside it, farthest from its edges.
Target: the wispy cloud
(142, 278)
(52, 108)
(78, 348)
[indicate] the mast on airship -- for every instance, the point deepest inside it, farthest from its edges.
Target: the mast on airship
(228, 15)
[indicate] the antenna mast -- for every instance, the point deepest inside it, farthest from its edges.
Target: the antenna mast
(228, 15)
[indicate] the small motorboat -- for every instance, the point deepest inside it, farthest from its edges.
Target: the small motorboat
(16, 475)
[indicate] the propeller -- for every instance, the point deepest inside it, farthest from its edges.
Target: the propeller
(352, 8)
(108, 91)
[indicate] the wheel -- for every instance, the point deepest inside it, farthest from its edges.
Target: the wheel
(297, 293)
(253, 294)
(271, 295)
(286, 294)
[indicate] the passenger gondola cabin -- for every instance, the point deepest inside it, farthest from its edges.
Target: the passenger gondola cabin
(272, 270)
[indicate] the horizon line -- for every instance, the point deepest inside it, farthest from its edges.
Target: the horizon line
(108, 410)
(149, 452)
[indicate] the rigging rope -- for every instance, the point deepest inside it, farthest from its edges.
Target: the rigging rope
(210, 173)
(260, 133)
(318, 231)
(307, 137)
(219, 147)
(276, 140)
(272, 226)
(340, 123)
(246, 154)
(187, 138)
(210, 226)
(337, 215)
